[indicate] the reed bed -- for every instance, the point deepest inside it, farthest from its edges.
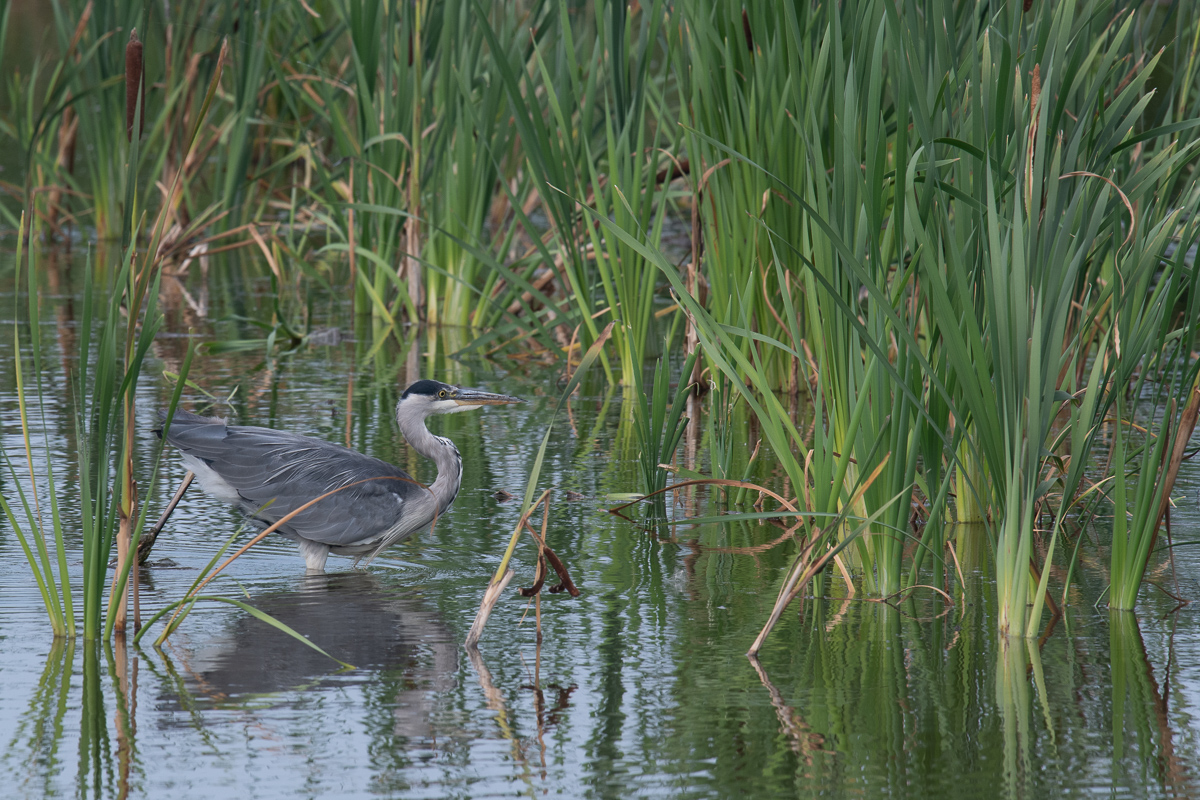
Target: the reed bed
(961, 237)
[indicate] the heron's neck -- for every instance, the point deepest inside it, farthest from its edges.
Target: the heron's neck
(443, 453)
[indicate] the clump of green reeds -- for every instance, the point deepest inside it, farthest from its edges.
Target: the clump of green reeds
(957, 261)
(115, 336)
(659, 422)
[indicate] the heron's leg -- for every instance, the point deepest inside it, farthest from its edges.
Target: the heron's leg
(314, 554)
(147, 540)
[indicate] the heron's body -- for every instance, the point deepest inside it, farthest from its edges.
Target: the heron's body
(269, 474)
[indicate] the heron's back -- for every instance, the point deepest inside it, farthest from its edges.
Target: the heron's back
(270, 473)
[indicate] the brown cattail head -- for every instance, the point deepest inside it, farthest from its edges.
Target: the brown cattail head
(135, 81)
(1028, 5)
(1035, 92)
(746, 31)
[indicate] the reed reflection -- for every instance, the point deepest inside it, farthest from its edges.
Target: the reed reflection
(1141, 722)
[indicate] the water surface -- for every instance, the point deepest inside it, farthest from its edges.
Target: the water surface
(639, 687)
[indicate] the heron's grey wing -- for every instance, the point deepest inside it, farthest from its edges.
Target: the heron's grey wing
(286, 471)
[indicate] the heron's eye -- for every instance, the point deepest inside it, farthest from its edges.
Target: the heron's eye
(442, 393)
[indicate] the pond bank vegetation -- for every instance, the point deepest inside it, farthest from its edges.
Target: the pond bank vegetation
(943, 253)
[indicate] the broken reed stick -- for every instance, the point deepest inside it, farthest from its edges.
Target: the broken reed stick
(147, 541)
(500, 579)
(800, 575)
(485, 608)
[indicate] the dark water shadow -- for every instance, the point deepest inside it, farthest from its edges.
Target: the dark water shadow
(352, 616)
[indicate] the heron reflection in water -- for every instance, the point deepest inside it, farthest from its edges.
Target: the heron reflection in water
(247, 664)
(269, 474)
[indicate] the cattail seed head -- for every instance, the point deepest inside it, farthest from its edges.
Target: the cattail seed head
(135, 81)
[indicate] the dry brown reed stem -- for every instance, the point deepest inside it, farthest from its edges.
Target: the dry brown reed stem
(135, 85)
(267, 255)
(567, 585)
(64, 162)
(540, 576)
(957, 566)
(908, 589)
(803, 570)
(789, 533)
(184, 243)
(788, 593)
(1187, 424)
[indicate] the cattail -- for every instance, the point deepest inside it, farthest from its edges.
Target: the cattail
(746, 30)
(1028, 5)
(135, 81)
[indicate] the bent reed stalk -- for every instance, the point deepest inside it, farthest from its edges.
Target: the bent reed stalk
(954, 233)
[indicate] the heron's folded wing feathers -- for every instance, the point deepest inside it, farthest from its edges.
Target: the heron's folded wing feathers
(283, 471)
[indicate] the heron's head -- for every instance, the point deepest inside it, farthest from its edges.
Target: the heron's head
(427, 397)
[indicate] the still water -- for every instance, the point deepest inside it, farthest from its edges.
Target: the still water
(638, 688)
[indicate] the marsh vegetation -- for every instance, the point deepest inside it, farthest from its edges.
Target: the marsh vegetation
(905, 290)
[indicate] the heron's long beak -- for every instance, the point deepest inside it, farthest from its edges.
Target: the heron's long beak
(474, 398)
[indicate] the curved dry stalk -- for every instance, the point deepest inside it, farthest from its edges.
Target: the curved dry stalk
(546, 554)
(913, 588)
(504, 574)
(957, 566)
(800, 574)
(1117, 189)
(710, 482)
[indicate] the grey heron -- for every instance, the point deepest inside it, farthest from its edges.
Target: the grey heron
(269, 473)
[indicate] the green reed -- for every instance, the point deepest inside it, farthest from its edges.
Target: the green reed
(660, 426)
(55, 589)
(733, 67)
